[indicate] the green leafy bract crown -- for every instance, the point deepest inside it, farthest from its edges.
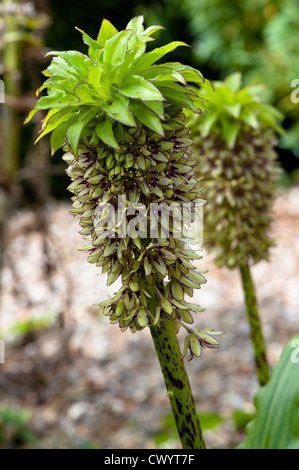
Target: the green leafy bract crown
(232, 108)
(117, 84)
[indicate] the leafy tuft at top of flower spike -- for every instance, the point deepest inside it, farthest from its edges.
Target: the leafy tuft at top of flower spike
(232, 107)
(116, 84)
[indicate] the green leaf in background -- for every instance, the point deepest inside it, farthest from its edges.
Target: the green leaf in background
(234, 81)
(168, 434)
(15, 427)
(233, 109)
(276, 424)
(241, 418)
(248, 116)
(230, 131)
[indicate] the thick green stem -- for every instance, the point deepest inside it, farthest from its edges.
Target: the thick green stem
(177, 383)
(257, 338)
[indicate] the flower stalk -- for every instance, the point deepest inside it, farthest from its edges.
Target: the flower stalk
(256, 332)
(177, 382)
(177, 385)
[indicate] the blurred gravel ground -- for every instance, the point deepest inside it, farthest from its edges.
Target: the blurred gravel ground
(87, 383)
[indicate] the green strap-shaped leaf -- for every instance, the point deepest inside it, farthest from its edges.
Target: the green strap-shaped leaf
(180, 95)
(107, 31)
(139, 41)
(73, 135)
(189, 73)
(93, 45)
(116, 50)
(147, 117)
(119, 110)
(94, 76)
(52, 116)
(30, 115)
(233, 109)
(234, 81)
(55, 121)
(59, 83)
(161, 73)
(58, 100)
(104, 129)
(249, 117)
(151, 57)
(230, 131)
(78, 61)
(135, 86)
(58, 135)
(136, 24)
(157, 107)
(86, 95)
(276, 424)
(60, 68)
(74, 131)
(136, 48)
(152, 29)
(88, 40)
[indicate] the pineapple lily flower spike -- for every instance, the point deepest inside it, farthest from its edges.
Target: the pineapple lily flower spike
(119, 117)
(234, 149)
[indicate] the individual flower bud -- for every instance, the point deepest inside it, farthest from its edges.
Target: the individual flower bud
(198, 339)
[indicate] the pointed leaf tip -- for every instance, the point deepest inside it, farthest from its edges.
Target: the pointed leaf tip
(107, 31)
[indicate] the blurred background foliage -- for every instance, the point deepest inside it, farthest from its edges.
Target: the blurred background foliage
(257, 37)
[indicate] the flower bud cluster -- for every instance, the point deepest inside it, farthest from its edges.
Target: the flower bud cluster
(240, 185)
(148, 169)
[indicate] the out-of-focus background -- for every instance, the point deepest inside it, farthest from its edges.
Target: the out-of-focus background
(70, 379)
